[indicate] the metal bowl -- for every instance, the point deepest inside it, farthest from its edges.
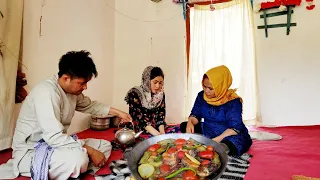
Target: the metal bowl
(134, 156)
(100, 123)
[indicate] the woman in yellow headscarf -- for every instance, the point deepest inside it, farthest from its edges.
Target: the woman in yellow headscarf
(221, 110)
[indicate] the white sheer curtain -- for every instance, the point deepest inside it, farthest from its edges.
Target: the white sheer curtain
(224, 36)
(10, 34)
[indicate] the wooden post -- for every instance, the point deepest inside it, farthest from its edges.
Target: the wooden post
(265, 22)
(289, 19)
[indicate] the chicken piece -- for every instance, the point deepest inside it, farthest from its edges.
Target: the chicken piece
(170, 159)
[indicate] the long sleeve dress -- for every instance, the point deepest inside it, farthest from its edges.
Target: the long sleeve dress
(143, 117)
(216, 119)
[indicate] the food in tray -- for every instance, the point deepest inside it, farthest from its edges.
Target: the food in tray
(178, 159)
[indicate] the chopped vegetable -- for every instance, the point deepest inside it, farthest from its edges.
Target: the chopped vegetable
(145, 157)
(162, 149)
(192, 159)
(159, 158)
(145, 170)
(166, 142)
(191, 147)
(179, 146)
(153, 162)
(209, 148)
(205, 162)
(180, 154)
(189, 175)
(154, 147)
(165, 168)
(194, 141)
(179, 171)
(186, 162)
(216, 159)
(206, 154)
(172, 150)
(198, 158)
(201, 148)
(169, 146)
(180, 141)
(156, 172)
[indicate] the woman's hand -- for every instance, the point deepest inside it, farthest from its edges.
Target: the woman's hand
(217, 139)
(226, 133)
(161, 129)
(152, 130)
(190, 127)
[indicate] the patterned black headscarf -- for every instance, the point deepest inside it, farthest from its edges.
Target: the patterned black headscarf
(148, 100)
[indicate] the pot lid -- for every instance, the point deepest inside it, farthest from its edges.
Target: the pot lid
(101, 116)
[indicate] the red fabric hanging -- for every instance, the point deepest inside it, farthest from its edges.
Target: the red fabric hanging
(277, 3)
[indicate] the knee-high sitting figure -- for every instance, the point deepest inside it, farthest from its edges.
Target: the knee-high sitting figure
(41, 147)
(221, 110)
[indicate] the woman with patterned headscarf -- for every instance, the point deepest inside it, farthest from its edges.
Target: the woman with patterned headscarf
(147, 102)
(221, 110)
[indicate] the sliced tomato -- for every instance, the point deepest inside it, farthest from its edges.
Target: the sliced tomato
(180, 141)
(162, 178)
(154, 147)
(209, 148)
(164, 168)
(206, 154)
(205, 162)
(181, 154)
(189, 175)
(172, 150)
(179, 146)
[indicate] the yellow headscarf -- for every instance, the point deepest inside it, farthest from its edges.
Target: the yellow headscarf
(221, 80)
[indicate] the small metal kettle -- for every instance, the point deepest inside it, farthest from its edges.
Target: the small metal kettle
(126, 136)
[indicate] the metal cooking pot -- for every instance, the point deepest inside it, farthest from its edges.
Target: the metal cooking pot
(134, 156)
(100, 123)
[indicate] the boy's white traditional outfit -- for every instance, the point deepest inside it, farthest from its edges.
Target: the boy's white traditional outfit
(45, 114)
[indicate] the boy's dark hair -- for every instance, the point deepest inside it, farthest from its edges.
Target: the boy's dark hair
(77, 64)
(155, 72)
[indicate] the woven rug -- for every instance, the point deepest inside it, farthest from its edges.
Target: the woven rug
(236, 169)
(300, 177)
